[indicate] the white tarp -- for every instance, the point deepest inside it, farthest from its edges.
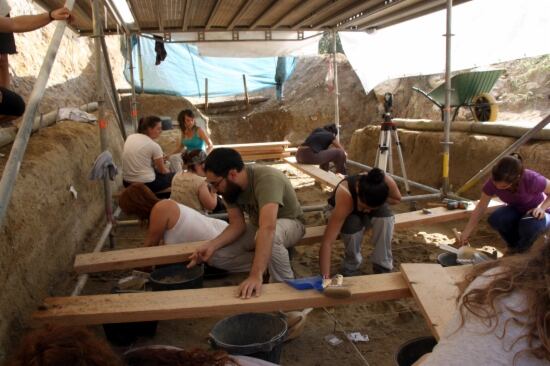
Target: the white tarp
(253, 44)
(485, 32)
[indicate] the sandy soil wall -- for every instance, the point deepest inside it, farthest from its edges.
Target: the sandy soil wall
(469, 154)
(45, 224)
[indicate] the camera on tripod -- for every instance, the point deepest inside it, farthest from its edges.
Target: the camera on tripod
(388, 104)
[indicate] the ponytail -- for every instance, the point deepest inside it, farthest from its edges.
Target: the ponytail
(373, 190)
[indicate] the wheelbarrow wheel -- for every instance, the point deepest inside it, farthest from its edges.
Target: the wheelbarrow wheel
(484, 108)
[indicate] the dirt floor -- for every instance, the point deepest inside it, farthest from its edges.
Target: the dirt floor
(388, 324)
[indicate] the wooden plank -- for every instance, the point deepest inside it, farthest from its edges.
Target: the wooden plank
(328, 178)
(173, 253)
(148, 256)
(254, 157)
(439, 214)
(207, 302)
(256, 145)
(435, 292)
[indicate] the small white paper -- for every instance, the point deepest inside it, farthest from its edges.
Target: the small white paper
(73, 191)
(333, 340)
(357, 337)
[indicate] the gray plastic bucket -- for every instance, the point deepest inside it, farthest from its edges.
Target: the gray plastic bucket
(447, 259)
(251, 334)
(166, 123)
(412, 350)
(176, 277)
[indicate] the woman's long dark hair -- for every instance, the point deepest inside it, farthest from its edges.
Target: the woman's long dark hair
(373, 190)
(147, 122)
(137, 199)
(509, 169)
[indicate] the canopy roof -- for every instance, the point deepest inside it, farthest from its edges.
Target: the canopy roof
(199, 16)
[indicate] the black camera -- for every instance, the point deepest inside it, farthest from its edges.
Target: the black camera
(388, 104)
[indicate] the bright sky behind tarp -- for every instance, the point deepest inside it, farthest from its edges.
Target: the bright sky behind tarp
(486, 32)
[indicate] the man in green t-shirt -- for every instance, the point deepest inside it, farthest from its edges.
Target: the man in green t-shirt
(275, 220)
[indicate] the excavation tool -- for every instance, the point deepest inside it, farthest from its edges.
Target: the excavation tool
(334, 287)
(450, 204)
(388, 133)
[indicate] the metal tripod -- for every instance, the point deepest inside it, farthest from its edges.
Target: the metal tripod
(388, 132)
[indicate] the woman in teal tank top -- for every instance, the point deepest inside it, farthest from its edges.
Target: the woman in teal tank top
(192, 136)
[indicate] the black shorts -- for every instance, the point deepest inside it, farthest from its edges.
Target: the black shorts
(12, 104)
(7, 43)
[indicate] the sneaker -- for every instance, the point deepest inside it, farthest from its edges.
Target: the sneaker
(377, 269)
(350, 272)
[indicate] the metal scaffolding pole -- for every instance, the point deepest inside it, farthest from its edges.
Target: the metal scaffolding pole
(447, 110)
(133, 107)
(516, 145)
(336, 91)
(83, 278)
(396, 177)
(140, 65)
(13, 164)
(117, 107)
(101, 121)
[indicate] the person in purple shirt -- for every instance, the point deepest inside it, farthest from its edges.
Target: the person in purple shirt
(526, 214)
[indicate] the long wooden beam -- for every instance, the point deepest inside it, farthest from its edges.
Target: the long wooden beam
(435, 291)
(209, 302)
(174, 253)
(256, 146)
(328, 178)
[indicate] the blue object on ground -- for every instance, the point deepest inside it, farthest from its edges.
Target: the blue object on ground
(307, 283)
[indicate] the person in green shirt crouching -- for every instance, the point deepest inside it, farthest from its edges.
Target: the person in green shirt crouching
(275, 221)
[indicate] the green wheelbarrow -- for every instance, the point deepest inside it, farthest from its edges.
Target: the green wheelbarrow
(469, 89)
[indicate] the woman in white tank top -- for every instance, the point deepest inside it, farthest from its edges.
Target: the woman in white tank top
(167, 220)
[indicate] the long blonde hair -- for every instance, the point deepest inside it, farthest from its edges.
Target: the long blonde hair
(527, 273)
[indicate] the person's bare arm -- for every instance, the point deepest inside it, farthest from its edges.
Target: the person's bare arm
(158, 223)
(27, 23)
(204, 136)
(540, 210)
(338, 145)
(344, 206)
(236, 228)
(394, 196)
(208, 199)
(262, 254)
(160, 167)
(476, 215)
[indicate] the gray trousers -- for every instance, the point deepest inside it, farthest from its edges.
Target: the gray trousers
(381, 221)
(238, 256)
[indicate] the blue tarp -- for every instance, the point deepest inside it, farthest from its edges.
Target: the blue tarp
(183, 71)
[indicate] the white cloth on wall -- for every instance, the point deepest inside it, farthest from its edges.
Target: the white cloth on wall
(485, 32)
(4, 8)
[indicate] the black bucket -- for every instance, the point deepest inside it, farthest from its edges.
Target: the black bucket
(145, 355)
(124, 334)
(176, 277)
(166, 123)
(251, 334)
(412, 350)
(447, 259)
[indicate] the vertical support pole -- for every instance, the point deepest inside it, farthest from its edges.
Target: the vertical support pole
(336, 90)
(101, 120)
(246, 92)
(447, 109)
(206, 94)
(11, 170)
(133, 103)
(140, 65)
